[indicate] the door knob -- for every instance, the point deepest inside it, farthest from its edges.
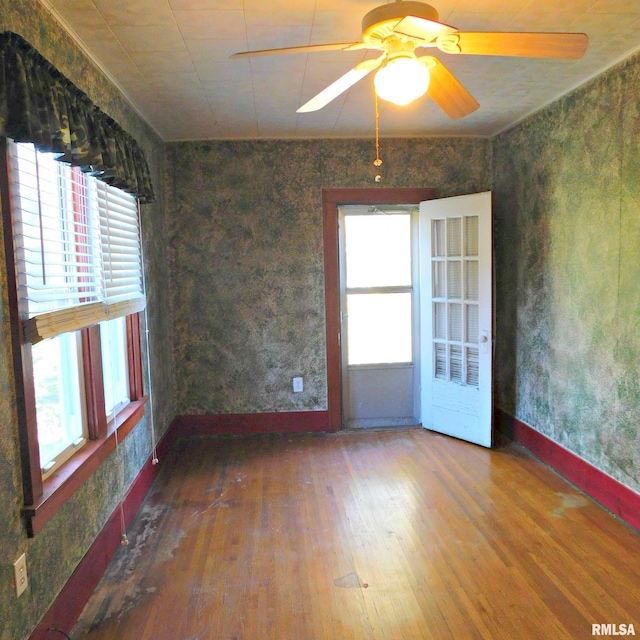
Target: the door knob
(484, 342)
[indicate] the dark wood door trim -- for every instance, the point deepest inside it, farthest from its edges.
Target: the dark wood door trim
(331, 199)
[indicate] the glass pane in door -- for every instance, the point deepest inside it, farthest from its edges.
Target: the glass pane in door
(456, 322)
(378, 250)
(379, 329)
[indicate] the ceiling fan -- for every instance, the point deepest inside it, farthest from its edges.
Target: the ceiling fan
(398, 29)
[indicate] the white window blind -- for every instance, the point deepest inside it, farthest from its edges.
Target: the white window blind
(121, 250)
(55, 247)
(77, 243)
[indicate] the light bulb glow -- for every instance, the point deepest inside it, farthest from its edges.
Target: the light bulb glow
(402, 80)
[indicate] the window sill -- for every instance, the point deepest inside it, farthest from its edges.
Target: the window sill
(61, 485)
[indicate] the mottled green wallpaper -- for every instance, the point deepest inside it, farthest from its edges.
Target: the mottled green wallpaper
(567, 242)
(55, 552)
(247, 264)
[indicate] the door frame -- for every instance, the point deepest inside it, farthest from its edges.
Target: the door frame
(331, 200)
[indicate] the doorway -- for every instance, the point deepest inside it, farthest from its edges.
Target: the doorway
(443, 400)
(331, 200)
(379, 315)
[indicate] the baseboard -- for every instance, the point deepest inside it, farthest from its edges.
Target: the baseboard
(250, 423)
(616, 497)
(67, 607)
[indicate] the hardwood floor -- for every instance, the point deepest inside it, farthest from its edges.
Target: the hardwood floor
(391, 534)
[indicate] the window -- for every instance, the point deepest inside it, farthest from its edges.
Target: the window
(113, 340)
(73, 243)
(59, 398)
(378, 287)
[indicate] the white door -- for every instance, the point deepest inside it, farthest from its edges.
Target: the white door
(456, 316)
(379, 315)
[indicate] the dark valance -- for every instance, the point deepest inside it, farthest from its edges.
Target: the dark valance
(39, 105)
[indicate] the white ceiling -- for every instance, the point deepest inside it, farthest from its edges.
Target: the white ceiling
(171, 59)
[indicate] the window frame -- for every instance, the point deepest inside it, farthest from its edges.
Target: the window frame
(44, 497)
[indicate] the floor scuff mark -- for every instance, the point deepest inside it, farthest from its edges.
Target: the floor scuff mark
(569, 501)
(350, 581)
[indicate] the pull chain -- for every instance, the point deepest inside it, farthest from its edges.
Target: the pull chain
(378, 161)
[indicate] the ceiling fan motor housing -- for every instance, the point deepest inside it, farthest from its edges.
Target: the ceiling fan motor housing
(378, 24)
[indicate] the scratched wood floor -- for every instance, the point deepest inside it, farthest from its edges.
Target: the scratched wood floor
(390, 534)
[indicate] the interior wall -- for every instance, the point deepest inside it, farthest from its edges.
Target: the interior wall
(567, 225)
(55, 552)
(246, 256)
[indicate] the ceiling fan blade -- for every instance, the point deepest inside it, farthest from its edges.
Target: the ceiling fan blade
(341, 85)
(446, 91)
(421, 28)
(531, 45)
(346, 46)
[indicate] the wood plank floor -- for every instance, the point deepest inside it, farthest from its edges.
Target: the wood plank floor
(390, 534)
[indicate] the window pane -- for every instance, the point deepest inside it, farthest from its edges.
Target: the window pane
(113, 338)
(438, 231)
(473, 366)
(440, 320)
(440, 360)
(455, 360)
(56, 377)
(378, 250)
(439, 284)
(455, 322)
(471, 280)
(471, 236)
(379, 328)
(473, 328)
(454, 284)
(454, 236)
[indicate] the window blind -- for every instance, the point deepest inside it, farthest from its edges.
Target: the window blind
(120, 243)
(55, 247)
(77, 245)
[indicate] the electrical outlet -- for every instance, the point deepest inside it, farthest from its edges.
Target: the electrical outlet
(20, 574)
(298, 386)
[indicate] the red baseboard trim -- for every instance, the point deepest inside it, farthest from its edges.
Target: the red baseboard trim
(250, 423)
(70, 602)
(616, 497)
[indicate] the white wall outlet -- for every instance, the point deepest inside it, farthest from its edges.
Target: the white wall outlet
(298, 385)
(20, 574)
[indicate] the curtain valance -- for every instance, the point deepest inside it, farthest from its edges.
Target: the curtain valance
(40, 105)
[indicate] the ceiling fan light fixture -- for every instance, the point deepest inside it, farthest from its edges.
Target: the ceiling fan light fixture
(402, 80)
